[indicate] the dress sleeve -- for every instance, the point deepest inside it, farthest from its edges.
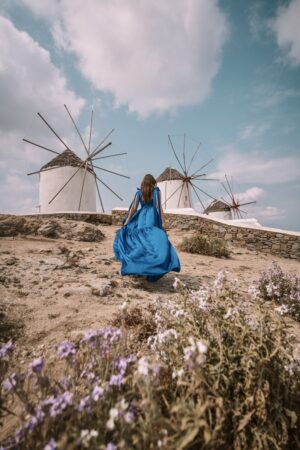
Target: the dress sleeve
(133, 207)
(157, 204)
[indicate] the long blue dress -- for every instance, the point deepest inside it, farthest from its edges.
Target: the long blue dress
(142, 245)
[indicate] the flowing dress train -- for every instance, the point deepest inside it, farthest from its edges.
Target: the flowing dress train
(142, 245)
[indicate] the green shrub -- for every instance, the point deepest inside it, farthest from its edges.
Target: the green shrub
(205, 246)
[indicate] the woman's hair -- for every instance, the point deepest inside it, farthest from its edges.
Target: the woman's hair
(147, 186)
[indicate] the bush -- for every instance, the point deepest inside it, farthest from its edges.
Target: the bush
(207, 376)
(280, 287)
(205, 246)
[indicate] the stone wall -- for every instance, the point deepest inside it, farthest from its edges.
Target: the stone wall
(95, 218)
(280, 243)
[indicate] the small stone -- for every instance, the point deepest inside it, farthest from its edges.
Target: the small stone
(11, 261)
(101, 288)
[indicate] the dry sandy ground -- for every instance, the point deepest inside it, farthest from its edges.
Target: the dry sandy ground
(52, 297)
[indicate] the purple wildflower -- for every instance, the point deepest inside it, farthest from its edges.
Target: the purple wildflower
(116, 380)
(66, 349)
(37, 365)
(111, 446)
(90, 335)
(19, 434)
(60, 403)
(98, 392)
(9, 383)
(51, 445)
(84, 404)
(34, 420)
(121, 364)
(5, 349)
(129, 417)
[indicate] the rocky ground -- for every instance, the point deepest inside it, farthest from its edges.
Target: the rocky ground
(55, 288)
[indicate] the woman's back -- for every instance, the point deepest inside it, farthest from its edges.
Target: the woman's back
(150, 211)
(142, 244)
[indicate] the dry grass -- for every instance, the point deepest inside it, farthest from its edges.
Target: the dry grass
(202, 245)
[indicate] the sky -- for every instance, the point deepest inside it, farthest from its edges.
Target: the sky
(226, 74)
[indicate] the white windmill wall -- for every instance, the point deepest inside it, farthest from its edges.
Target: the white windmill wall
(167, 188)
(224, 215)
(68, 200)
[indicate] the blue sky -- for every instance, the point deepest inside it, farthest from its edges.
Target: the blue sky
(225, 73)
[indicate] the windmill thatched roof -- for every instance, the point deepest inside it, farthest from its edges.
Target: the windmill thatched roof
(215, 206)
(169, 174)
(66, 158)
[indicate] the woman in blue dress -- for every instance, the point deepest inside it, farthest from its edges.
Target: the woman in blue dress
(142, 244)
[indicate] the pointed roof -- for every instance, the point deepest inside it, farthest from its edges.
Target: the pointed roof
(169, 174)
(66, 158)
(215, 206)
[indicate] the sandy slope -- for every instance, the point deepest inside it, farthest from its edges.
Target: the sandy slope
(52, 295)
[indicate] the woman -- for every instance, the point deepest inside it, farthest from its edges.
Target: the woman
(142, 244)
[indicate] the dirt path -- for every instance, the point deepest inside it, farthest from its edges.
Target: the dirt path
(58, 288)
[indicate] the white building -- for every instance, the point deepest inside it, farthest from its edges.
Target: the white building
(219, 210)
(55, 174)
(175, 193)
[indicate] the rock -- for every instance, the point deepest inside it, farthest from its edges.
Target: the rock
(63, 249)
(86, 232)
(101, 288)
(51, 229)
(12, 226)
(11, 261)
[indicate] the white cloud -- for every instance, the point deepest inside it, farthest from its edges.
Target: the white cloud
(287, 30)
(254, 130)
(271, 96)
(267, 213)
(256, 167)
(29, 82)
(251, 195)
(153, 56)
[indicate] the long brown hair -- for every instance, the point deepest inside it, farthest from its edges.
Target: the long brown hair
(147, 186)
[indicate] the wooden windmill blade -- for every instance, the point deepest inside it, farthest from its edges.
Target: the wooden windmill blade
(183, 154)
(110, 156)
(76, 128)
(192, 159)
(52, 129)
(40, 146)
(171, 143)
(202, 167)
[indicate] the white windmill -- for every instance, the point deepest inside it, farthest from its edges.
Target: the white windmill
(68, 183)
(230, 208)
(176, 187)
